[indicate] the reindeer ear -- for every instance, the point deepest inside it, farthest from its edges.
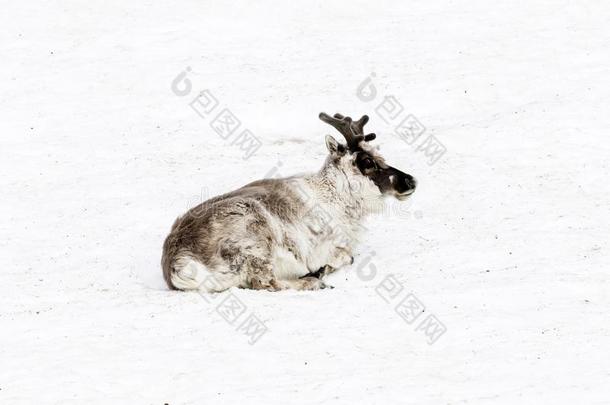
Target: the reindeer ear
(334, 147)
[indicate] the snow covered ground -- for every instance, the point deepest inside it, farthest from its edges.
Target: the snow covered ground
(505, 242)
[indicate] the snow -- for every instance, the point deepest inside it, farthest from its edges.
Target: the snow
(505, 241)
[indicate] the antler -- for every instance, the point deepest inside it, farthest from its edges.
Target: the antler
(353, 131)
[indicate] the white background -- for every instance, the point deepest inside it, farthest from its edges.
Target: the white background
(509, 247)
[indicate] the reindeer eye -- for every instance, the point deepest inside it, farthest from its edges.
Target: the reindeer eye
(368, 163)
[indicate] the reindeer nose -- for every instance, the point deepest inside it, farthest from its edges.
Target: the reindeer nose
(410, 182)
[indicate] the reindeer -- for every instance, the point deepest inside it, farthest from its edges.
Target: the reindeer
(289, 233)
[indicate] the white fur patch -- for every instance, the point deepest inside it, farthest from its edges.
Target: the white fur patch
(190, 274)
(286, 266)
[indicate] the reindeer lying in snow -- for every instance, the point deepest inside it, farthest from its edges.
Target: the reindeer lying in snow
(274, 234)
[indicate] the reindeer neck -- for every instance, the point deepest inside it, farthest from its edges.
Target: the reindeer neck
(332, 187)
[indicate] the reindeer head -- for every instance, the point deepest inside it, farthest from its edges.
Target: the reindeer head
(362, 163)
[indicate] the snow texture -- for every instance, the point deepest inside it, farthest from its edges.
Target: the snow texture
(505, 242)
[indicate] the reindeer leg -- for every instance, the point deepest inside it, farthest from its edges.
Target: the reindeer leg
(322, 272)
(260, 276)
(341, 257)
(306, 283)
(302, 284)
